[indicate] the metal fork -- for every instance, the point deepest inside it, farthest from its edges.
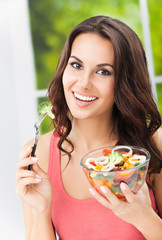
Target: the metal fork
(37, 126)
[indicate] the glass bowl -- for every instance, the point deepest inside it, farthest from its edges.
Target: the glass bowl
(134, 177)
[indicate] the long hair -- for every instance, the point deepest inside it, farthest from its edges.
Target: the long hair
(135, 113)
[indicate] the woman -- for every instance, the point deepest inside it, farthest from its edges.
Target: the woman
(101, 95)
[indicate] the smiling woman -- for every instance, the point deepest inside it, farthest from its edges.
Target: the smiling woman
(100, 96)
(88, 79)
(49, 34)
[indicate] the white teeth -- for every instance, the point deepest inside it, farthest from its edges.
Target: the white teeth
(84, 98)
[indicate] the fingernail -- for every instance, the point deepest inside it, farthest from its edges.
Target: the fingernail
(92, 191)
(37, 179)
(123, 186)
(34, 159)
(37, 176)
(103, 189)
(28, 149)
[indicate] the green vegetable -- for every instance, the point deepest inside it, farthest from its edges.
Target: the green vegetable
(46, 107)
(115, 189)
(99, 176)
(131, 184)
(109, 177)
(136, 164)
(116, 158)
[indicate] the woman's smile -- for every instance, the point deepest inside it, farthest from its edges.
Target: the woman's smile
(83, 100)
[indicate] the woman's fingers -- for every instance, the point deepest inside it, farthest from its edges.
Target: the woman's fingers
(113, 199)
(135, 203)
(25, 173)
(29, 180)
(25, 153)
(110, 196)
(144, 188)
(129, 195)
(110, 200)
(23, 184)
(26, 162)
(36, 168)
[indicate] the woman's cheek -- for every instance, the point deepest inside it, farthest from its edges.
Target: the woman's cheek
(68, 78)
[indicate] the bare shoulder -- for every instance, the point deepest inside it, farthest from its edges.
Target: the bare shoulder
(42, 151)
(157, 177)
(158, 139)
(157, 183)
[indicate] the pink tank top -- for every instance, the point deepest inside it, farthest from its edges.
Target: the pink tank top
(76, 219)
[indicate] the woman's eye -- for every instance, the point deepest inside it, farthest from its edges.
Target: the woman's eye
(104, 72)
(76, 65)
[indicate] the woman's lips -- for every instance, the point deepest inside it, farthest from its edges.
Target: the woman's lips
(83, 100)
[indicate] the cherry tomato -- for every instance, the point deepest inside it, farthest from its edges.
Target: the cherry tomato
(106, 152)
(92, 163)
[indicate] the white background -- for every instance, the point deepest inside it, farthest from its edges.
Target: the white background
(18, 103)
(17, 109)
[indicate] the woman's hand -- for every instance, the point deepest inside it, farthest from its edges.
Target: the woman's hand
(134, 210)
(33, 186)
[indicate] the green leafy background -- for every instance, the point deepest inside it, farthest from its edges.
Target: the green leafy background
(52, 20)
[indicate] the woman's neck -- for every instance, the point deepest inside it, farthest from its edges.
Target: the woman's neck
(90, 134)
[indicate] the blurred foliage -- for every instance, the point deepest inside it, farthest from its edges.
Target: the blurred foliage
(51, 22)
(159, 94)
(155, 16)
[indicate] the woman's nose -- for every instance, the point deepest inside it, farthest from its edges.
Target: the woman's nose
(85, 81)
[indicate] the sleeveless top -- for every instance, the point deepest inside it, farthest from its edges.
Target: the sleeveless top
(76, 219)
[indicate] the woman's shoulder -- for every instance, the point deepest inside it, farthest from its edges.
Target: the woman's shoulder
(42, 150)
(157, 177)
(157, 137)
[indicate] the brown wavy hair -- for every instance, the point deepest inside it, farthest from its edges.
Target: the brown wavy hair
(135, 112)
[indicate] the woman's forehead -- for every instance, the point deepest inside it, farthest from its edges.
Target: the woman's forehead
(93, 46)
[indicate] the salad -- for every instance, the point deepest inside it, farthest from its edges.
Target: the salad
(110, 167)
(113, 160)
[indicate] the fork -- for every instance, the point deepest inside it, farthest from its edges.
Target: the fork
(37, 125)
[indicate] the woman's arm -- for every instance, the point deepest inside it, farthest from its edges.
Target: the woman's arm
(42, 227)
(37, 225)
(35, 190)
(157, 187)
(152, 226)
(28, 220)
(156, 179)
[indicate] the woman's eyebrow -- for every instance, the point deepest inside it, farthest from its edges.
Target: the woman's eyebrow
(98, 65)
(105, 64)
(76, 59)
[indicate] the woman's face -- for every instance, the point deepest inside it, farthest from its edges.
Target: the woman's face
(88, 79)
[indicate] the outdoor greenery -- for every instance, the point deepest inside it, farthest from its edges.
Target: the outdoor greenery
(155, 10)
(159, 94)
(51, 22)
